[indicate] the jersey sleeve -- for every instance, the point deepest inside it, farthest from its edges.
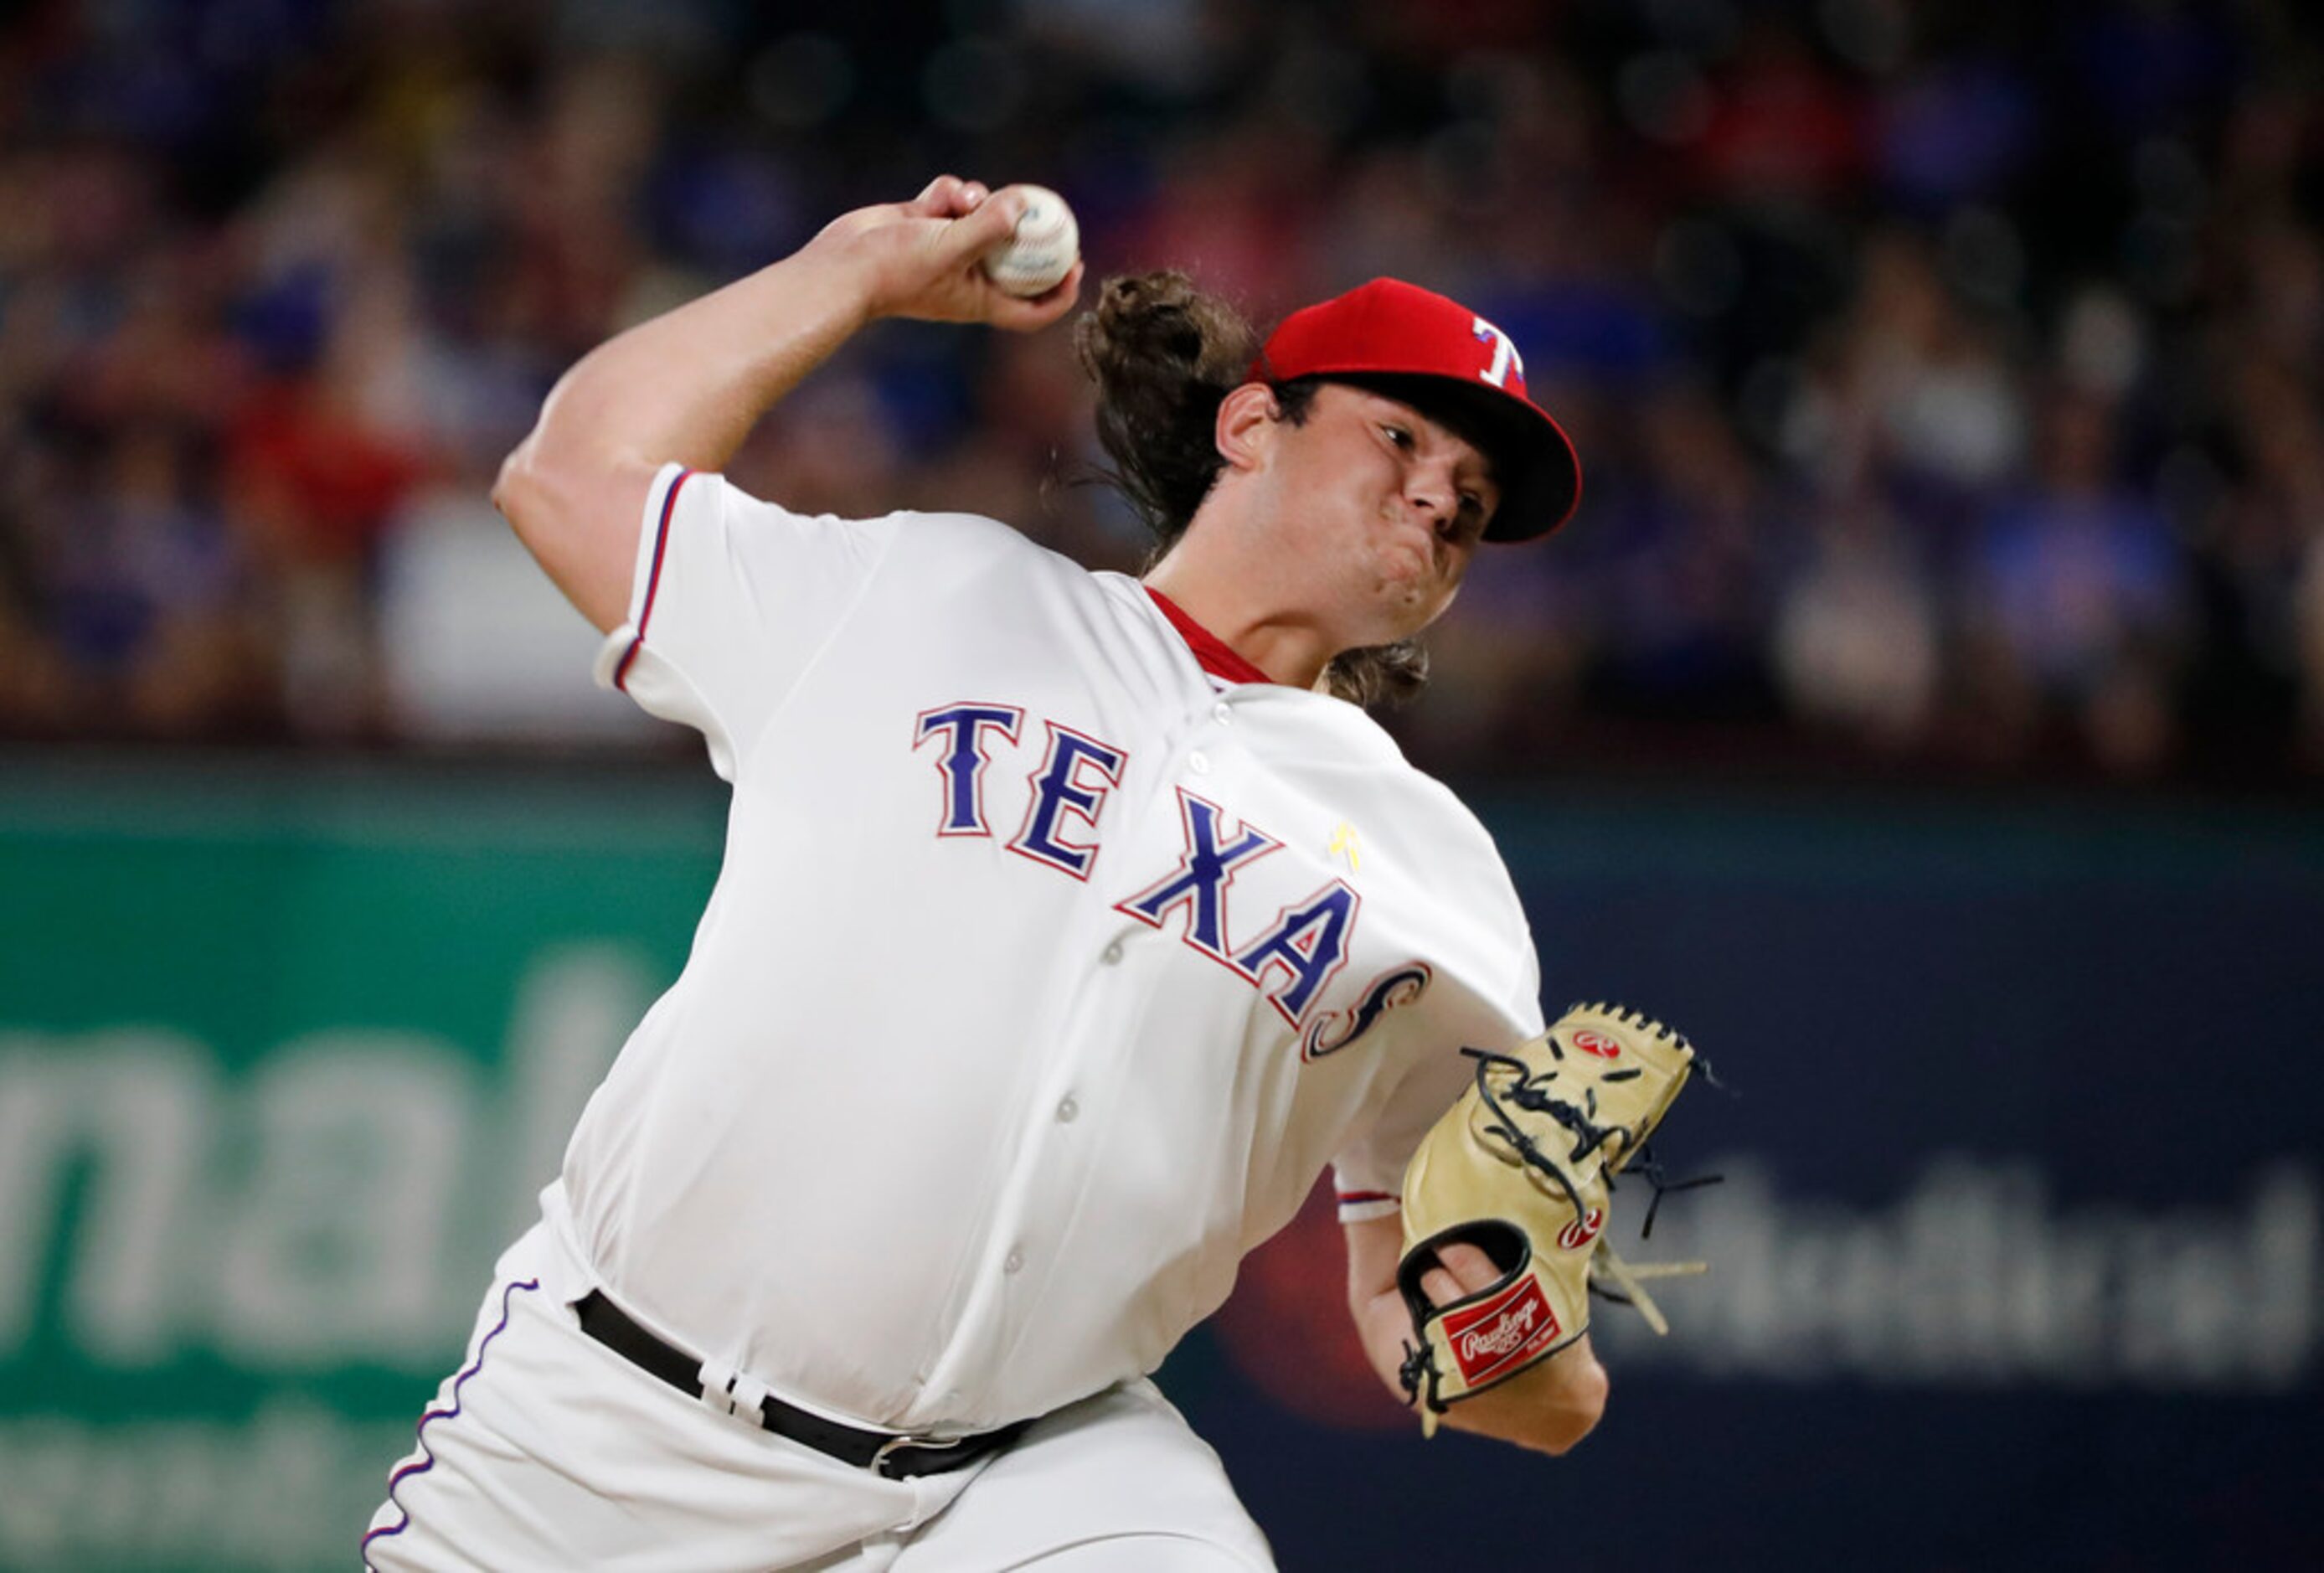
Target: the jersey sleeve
(1368, 1172)
(730, 601)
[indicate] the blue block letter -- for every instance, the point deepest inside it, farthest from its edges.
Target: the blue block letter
(1203, 873)
(1310, 942)
(961, 763)
(1059, 788)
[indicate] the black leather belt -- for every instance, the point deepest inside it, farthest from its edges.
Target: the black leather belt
(898, 1457)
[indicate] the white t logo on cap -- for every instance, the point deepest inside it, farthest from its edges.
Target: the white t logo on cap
(1505, 354)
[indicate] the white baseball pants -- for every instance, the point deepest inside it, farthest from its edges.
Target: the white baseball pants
(548, 1450)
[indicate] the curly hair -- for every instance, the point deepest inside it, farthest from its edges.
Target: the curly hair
(1163, 357)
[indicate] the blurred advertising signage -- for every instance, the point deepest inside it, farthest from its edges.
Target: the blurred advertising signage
(256, 1280)
(1975, 1277)
(273, 1092)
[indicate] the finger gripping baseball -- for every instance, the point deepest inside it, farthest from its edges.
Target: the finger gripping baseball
(1521, 1166)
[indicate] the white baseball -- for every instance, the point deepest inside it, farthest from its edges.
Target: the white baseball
(1041, 252)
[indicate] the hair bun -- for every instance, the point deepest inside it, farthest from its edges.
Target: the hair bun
(1163, 355)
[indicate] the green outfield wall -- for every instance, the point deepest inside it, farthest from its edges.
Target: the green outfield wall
(283, 1060)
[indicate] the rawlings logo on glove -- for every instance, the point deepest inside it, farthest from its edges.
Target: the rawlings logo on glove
(1520, 1167)
(1502, 1331)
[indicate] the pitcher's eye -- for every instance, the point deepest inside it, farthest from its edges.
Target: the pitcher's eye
(1397, 435)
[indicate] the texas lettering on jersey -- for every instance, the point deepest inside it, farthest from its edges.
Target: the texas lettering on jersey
(1290, 962)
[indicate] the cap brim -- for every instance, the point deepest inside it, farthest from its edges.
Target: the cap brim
(1534, 462)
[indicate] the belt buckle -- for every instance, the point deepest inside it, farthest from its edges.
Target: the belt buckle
(894, 1444)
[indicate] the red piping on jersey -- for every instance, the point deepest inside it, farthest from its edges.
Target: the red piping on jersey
(1215, 656)
(653, 581)
(1349, 1199)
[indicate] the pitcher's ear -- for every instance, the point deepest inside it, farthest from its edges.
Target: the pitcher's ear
(1246, 421)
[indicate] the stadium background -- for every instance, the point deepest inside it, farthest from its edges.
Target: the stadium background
(1927, 708)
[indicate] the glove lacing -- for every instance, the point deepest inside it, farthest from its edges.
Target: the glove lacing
(1531, 1093)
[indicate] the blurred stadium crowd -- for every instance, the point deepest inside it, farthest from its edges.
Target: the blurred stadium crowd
(1950, 380)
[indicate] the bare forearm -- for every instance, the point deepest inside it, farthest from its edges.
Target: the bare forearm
(688, 385)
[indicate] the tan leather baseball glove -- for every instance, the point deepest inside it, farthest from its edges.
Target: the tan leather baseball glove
(1519, 1167)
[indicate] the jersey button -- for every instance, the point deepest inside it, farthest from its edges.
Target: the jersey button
(1014, 1260)
(1222, 712)
(1068, 1112)
(1199, 763)
(1112, 953)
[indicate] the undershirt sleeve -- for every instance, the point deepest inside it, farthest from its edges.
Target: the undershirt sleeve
(731, 599)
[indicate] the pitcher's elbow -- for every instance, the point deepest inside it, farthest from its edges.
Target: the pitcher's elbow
(516, 489)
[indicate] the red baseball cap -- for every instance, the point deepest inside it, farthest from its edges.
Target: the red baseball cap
(1438, 356)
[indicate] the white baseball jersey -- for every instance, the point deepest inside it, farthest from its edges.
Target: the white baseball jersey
(1054, 954)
